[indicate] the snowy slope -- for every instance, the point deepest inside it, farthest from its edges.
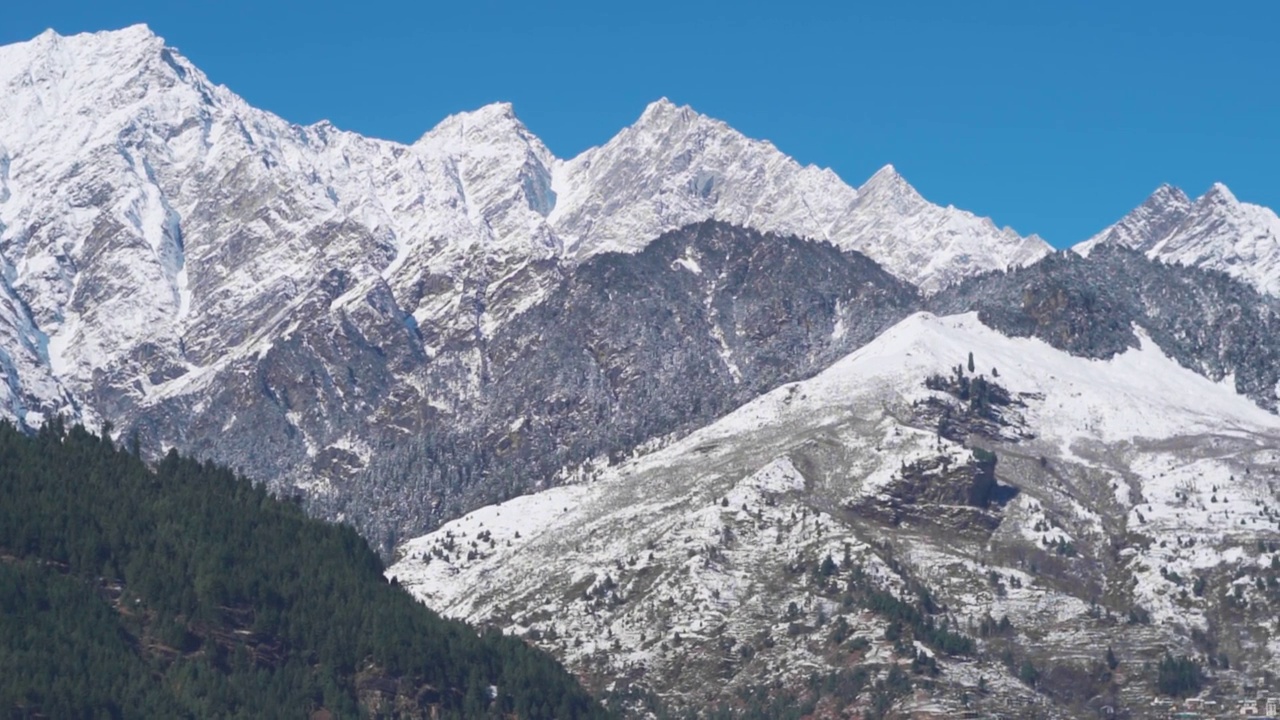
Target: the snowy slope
(698, 541)
(1216, 231)
(29, 392)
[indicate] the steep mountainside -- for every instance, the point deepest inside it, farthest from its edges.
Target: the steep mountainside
(1208, 322)
(634, 347)
(1217, 232)
(116, 600)
(625, 349)
(988, 530)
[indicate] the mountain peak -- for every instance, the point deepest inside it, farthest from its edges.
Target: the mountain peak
(658, 108)
(137, 38)
(888, 184)
(887, 173)
(490, 121)
(496, 110)
(1219, 193)
(1167, 196)
(1145, 226)
(96, 48)
(661, 114)
(137, 30)
(1217, 231)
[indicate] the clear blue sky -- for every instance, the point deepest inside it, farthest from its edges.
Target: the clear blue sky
(1054, 118)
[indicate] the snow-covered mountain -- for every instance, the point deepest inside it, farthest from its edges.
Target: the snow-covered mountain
(1216, 231)
(751, 551)
(675, 167)
(155, 225)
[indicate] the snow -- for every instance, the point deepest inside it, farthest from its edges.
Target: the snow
(689, 264)
(1139, 393)
(838, 330)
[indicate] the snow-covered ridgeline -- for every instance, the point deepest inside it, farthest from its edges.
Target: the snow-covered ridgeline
(1215, 231)
(156, 223)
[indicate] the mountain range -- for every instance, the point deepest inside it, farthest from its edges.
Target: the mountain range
(411, 338)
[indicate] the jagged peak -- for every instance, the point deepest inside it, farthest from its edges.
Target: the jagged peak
(137, 30)
(1219, 194)
(96, 62)
(662, 108)
(494, 118)
(493, 112)
(51, 42)
(139, 36)
(887, 175)
(888, 182)
(1167, 196)
(663, 116)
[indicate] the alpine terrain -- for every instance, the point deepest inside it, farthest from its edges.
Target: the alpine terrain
(723, 434)
(294, 300)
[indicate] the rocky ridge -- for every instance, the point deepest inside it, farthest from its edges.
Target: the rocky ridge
(1216, 231)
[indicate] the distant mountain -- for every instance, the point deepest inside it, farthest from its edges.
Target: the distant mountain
(675, 167)
(1216, 231)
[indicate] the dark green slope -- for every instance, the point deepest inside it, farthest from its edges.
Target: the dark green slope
(185, 591)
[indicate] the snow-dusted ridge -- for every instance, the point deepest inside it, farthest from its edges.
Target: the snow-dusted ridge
(1215, 231)
(1122, 440)
(675, 166)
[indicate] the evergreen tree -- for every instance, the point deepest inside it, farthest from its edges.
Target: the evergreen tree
(1028, 674)
(1179, 676)
(828, 566)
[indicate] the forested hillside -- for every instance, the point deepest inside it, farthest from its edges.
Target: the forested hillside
(185, 591)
